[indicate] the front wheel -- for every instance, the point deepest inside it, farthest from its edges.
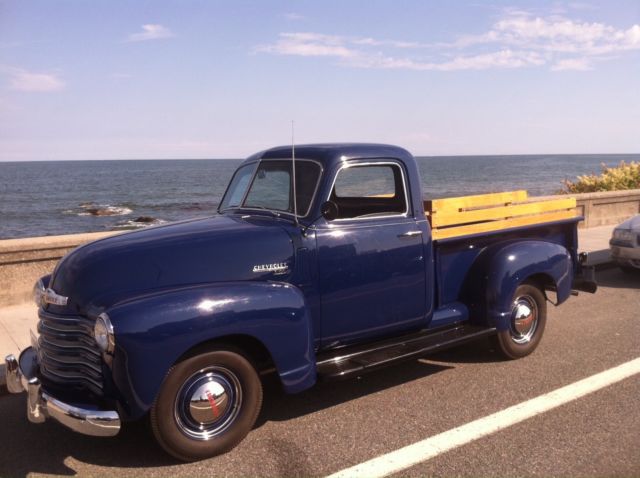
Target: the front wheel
(206, 405)
(526, 323)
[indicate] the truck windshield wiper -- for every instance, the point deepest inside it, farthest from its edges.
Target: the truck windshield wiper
(263, 208)
(273, 213)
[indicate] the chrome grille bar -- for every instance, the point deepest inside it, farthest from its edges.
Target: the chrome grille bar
(68, 353)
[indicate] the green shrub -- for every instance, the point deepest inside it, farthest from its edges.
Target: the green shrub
(623, 176)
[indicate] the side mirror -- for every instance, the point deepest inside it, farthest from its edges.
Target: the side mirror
(329, 210)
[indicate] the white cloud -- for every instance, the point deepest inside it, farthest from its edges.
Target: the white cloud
(556, 35)
(392, 43)
(293, 16)
(151, 32)
(308, 44)
(576, 64)
(347, 51)
(498, 59)
(318, 44)
(23, 80)
(517, 40)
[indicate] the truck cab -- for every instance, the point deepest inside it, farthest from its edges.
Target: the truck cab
(323, 262)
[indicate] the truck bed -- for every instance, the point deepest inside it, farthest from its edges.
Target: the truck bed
(465, 226)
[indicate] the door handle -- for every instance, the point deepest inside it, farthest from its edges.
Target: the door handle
(410, 234)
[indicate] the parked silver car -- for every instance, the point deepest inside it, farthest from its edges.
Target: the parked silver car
(625, 245)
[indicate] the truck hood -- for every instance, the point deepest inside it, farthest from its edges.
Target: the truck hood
(215, 249)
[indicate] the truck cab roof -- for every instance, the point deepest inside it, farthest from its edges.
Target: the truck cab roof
(329, 154)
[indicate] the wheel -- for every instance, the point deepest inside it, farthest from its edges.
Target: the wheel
(526, 324)
(206, 405)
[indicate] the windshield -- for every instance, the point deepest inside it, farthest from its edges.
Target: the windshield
(267, 185)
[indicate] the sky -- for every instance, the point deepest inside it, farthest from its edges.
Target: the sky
(160, 79)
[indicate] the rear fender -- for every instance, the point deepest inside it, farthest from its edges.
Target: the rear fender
(154, 331)
(500, 269)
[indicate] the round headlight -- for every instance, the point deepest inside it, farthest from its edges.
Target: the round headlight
(103, 333)
(38, 293)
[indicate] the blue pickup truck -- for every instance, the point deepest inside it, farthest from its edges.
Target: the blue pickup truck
(324, 262)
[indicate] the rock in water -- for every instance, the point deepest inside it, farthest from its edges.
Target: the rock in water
(96, 211)
(144, 219)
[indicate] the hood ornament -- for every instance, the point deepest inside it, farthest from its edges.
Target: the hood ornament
(276, 268)
(50, 297)
(45, 295)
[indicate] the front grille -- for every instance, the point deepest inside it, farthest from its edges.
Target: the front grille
(68, 354)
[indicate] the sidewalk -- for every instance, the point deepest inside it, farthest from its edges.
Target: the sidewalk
(17, 320)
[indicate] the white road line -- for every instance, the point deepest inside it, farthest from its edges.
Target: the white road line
(431, 447)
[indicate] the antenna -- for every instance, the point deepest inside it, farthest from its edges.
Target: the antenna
(293, 169)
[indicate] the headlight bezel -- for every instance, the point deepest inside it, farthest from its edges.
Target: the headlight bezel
(103, 334)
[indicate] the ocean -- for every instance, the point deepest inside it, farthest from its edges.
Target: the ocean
(63, 197)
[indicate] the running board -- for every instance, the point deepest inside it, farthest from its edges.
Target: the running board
(358, 359)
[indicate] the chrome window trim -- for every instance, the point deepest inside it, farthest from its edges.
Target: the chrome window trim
(386, 162)
(278, 211)
(242, 165)
(330, 226)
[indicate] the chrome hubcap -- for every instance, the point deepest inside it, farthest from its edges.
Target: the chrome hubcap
(524, 319)
(208, 403)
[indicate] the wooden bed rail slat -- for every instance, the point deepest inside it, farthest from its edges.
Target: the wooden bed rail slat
(477, 201)
(499, 225)
(450, 218)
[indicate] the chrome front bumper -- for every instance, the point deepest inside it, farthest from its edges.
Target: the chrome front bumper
(21, 376)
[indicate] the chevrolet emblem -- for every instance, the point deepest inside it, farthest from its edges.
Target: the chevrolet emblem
(277, 268)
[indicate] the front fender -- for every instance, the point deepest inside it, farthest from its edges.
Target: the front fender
(499, 270)
(153, 331)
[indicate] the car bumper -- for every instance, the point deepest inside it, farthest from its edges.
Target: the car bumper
(625, 253)
(21, 376)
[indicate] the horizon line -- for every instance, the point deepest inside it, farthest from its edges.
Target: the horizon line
(243, 158)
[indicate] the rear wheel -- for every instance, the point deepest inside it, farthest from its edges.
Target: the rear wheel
(206, 405)
(526, 324)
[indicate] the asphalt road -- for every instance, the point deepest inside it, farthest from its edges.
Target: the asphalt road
(337, 425)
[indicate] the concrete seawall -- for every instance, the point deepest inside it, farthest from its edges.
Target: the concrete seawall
(606, 208)
(23, 261)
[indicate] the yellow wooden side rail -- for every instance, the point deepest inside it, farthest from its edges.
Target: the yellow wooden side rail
(461, 216)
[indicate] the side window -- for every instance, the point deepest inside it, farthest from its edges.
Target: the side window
(369, 191)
